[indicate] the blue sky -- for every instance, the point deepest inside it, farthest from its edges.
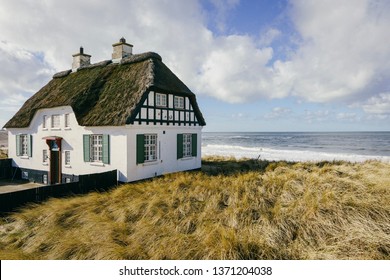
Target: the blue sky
(282, 65)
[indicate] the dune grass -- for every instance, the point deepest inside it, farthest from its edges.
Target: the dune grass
(230, 210)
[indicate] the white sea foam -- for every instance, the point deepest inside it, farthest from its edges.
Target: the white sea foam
(288, 155)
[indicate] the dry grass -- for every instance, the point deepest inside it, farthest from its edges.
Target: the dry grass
(230, 210)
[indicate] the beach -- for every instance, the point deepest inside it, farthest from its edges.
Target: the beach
(299, 146)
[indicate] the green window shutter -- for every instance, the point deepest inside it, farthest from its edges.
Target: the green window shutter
(18, 145)
(140, 148)
(30, 145)
(194, 145)
(179, 146)
(87, 148)
(106, 148)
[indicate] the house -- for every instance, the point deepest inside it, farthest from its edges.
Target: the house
(130, 113)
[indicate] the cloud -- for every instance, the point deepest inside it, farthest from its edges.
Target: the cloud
(222, 7)
(343, 116)
(278, 112)
(378, 104)
(316, 116)
(340, 55)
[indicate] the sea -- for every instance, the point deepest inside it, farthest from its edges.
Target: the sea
(299, 146)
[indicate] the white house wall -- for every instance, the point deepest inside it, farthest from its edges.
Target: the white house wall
(122, 146)
(72, 141)
(167, 161)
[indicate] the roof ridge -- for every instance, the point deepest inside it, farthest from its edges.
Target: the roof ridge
(140, 57)
(127, 60)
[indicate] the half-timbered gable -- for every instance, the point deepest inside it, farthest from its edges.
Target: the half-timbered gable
(167, 109)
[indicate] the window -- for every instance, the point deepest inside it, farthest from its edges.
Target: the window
(67, 120)
(67, 157)
(24, 145)
(44, 123)
(44, 179)
(25, 175)
(161, 100)
(179, 102)
(150, 147)
(55, 121)
(96, 148)
(44, 156)
(187, 145)
(146, 148)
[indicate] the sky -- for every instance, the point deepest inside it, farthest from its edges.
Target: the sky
(265, 65)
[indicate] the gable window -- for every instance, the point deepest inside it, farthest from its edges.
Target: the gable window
(146, 148)
(179, 102)
(187, 145)
(44, 122)
(67, 121)
(67, 157)
(55, 121)
(96, 148)
(161, 100)
(24, 145)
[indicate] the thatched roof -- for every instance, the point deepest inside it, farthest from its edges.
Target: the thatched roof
(106, 94)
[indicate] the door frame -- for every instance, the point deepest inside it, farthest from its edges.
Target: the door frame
(54, 144)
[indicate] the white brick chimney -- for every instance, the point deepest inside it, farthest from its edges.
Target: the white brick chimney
(80, 59)
(121, 50)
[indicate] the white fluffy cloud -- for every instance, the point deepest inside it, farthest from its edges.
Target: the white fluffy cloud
(378, 104)
(342, 53)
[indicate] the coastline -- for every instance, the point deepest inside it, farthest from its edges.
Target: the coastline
(285, 155)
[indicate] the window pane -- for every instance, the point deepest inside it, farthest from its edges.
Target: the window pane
(24, 144)
(187, 147)
(150, 147)
(55, 121)
(44, 121)
(66, 120)
(97, 148)
(44, 156)
(67, 157)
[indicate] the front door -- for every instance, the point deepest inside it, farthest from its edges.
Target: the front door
(55, 167)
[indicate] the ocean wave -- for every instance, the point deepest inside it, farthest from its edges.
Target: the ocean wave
(288, 155)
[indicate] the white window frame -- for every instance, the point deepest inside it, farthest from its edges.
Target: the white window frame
(187, 145)
(179, 102)
(55, 121)
(67, 158)
(161, 100)
(24, 145)
(45, 157)
(44, 122)
(67, 119)
(97, 147)
(150, 147)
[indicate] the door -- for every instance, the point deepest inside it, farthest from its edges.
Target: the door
(55, 167)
